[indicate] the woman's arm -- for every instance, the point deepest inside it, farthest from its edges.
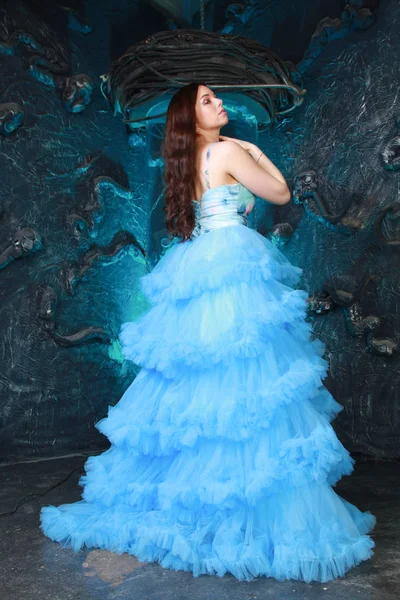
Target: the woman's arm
(265, 163)
(261, 176)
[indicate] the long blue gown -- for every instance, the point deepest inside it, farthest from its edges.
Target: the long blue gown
(222, 456)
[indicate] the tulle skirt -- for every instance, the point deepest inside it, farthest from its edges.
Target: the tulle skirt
(222, 456)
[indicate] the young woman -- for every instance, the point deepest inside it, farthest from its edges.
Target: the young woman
(222, 455)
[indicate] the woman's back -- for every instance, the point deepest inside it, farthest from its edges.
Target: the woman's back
(217, 173)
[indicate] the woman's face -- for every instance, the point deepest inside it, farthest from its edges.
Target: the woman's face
(208, 110)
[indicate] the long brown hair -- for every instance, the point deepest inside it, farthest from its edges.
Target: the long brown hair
(179, 153)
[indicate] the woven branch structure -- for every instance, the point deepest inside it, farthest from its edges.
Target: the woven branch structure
(168, 60)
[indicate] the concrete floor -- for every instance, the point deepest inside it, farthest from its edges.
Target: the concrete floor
(32, 566)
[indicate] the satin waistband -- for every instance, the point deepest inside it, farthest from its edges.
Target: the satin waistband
(215, 214)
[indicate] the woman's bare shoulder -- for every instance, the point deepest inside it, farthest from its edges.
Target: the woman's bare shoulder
(240, 165)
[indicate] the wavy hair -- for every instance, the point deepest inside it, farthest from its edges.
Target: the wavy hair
(179, 153)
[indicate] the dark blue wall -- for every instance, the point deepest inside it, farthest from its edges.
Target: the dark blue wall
(77, 227)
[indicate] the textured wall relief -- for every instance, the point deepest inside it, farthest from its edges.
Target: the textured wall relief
(81, 194)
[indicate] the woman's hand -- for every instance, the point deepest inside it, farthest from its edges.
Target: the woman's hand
(246, 145)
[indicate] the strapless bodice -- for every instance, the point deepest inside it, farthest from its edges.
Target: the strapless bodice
(222, 206)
